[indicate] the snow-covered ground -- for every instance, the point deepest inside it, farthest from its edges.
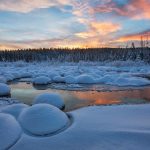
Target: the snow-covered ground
(45, 127)
(115, 73)
(92, 128)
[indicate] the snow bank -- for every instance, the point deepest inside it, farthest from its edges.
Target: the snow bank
(50, 98)
(41, 80)
(10, 131)
(4, 89)
(42, 119)
(125, 127)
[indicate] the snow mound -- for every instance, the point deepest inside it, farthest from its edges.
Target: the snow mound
(41, 80)
(42, 119)
(70, 79)
(10, 131)
(14, 109)
(58, 79)
(85, 79)
(4, 89)
(2, 79)
(53, 99)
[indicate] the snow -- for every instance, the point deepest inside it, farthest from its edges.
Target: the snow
(7, 101)
(58, 79)
(41, 80)
(10, 131)
(50, 98)
(85, 79)
(124, 127)
(70, 79)
(4, 89)
(119, 73)
(42, 119)
(3, 79)
(14, 109)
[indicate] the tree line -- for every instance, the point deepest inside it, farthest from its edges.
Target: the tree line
(76, 55)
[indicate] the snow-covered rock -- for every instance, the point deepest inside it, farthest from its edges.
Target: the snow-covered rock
(41, 80)
(59, 79)
(10, 131)
(4, 89)
(14, 109)
(85, 79)
(3, 79)
(50, 98)
(42, 119)
(70, 79)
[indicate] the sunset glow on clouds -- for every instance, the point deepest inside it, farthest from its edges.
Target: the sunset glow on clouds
(72, 23)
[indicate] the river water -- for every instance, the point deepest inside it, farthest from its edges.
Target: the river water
(80, 96)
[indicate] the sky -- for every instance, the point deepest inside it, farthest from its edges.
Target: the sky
(73, 23)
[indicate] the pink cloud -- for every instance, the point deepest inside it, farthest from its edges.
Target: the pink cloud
(135, 9)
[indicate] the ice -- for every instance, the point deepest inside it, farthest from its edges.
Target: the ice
(41, 80)
(4, 89)
(50, 98)
(10, 131)
(42, 119)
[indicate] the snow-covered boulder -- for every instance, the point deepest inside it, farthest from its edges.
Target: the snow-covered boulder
(52, 98)
(85, 79)
(70, 79)
(26, 75)
(3, 79)
(4, 89)
(10, 131)
(9, 77)
(42, 80)
(14, 109)
(43, 119)
(59, 79)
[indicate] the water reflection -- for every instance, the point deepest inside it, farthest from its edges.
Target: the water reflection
(76, 99)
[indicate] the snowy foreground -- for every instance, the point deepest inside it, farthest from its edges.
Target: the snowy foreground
(110, 73)
(125, 127)
(45, 127)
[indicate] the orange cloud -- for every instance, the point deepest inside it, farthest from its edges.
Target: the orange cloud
(134, 37)
(98, 29)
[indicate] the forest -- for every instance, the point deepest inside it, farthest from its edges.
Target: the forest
(76, 55)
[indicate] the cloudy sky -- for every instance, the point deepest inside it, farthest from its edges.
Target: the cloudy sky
(72, 23)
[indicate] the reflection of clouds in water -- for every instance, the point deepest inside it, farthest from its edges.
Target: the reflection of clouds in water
(76, 99)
